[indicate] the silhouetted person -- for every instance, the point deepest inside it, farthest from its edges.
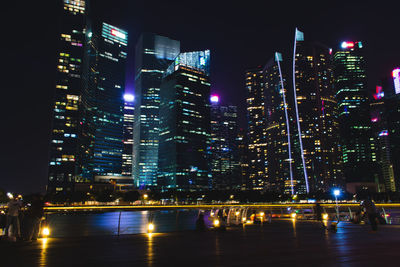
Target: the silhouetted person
(318, 211)
(200, 224)
(370, 210)
(33, 218)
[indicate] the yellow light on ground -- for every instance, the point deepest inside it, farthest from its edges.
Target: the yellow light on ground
(216, 223)
(46, 231)
(262, 214)
(243, 219)
(237, 213)
(325, 216)
(150, 227)
(293, 215)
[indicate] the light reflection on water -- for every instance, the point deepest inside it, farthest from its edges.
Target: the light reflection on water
(132, 222)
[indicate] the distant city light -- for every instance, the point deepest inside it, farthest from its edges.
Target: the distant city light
(384, 133)
(396, 79)
(214, 99)
(374, 119)
(129, 97)
(347, 45)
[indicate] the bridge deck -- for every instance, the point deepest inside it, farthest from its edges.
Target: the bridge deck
(281, 243)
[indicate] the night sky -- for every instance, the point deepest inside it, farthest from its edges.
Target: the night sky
(240, 35)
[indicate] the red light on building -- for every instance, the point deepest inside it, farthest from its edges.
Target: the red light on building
(348, 45)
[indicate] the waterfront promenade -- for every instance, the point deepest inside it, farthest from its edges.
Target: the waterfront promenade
(281, 243)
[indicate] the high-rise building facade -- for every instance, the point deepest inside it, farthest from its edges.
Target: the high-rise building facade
(101, 140)
(359, 158)
(68, 88)
(184, 160)
(242, 147)
(317, 117)
(223, 147)
(277, 132)
(256, 127)
(128, 135)
(153, 55)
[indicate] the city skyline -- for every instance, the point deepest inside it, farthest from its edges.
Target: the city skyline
(220, 84)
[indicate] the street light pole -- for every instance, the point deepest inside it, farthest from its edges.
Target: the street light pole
(336, 193)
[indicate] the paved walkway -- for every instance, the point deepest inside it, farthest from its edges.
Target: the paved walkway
(281, 243)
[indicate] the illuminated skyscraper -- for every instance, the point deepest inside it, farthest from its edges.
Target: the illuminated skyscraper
(257, 125)
(128, 135)
(223, 147)
(277, 131)
(359, 159)
(317, 117)
(102, 102)
(66, 113)
(154, 54)
(392, 120)
(185, 124)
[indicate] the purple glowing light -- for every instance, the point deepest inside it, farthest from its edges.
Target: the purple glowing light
(214, 99)
(396, 80)
(129, 97)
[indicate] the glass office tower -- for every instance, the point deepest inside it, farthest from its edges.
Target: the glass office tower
(101, 140)
(154, 54)
(184, 160)
(354, 115)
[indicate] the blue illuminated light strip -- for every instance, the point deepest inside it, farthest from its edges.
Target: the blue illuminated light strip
(297, 110)
(278, 57)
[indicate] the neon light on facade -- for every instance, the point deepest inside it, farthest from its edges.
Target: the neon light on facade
(278, 57)
(297, 112)
(396, 80)
(118, 34)
(346, 45)
(384, 133)
(214, 98)
(379, 94)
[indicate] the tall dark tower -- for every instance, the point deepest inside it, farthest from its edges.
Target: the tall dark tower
(354, 116)
(154, 54)
(101, 140)
(317, 115)
(224, 151)
(185, 124)
(68, 89)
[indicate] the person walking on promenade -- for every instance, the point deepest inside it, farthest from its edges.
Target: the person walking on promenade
(318, 211)
(14, 206)
(370, 210)
(34, 216)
